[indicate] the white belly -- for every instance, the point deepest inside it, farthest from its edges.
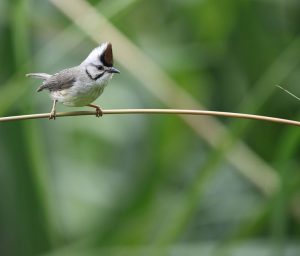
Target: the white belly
(79, 95)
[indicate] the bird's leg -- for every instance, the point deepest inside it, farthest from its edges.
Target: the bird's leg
(98, 109)
(53, 111)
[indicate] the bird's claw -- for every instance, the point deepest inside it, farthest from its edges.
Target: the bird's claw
(52, 115)
(99, 112)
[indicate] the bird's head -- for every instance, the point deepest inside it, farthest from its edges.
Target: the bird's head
(99, 63)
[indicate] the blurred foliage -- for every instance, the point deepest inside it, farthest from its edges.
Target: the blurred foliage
(149, 185)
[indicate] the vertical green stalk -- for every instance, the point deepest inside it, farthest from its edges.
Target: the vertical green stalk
(33, 182)
(19, 31)
(287, 150)
(279, 216)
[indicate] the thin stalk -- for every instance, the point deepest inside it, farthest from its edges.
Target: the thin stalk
(157, 111)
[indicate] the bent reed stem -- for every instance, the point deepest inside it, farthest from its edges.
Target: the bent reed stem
(156, 111)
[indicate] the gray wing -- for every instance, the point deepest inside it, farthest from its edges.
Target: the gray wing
(59, 81)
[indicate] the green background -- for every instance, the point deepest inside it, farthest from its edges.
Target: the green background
(153, 184)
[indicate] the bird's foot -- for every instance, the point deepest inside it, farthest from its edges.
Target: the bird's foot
(52, 115)
(98, 112)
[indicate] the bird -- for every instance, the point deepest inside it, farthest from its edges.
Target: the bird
(80, 85)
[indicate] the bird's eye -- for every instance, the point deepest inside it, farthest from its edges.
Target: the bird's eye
(100, 67)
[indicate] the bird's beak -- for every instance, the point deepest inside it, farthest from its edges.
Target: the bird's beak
(114, 70)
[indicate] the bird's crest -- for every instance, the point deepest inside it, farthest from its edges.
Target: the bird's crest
(107, 56)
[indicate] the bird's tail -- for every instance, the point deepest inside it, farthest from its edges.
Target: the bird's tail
(42, 76)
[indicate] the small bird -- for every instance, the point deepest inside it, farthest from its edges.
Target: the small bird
(81, 85)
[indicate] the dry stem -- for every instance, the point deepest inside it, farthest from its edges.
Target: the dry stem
(156, 111)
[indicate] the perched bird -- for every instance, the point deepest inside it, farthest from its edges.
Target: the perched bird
(81, 85)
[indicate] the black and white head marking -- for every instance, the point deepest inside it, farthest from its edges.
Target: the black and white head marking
(100, 62)
(98, 71)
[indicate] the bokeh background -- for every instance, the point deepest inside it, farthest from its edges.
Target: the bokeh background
(150, 184)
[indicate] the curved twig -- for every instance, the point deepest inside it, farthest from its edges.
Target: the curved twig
(156, 111)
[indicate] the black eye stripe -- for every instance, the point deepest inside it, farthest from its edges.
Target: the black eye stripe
(88, 73)
(98, 76)
(94, 78)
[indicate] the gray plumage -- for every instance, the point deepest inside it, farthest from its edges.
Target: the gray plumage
(80, 85)
(59, 81)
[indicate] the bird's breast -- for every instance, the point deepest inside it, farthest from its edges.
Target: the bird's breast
(80, 94)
